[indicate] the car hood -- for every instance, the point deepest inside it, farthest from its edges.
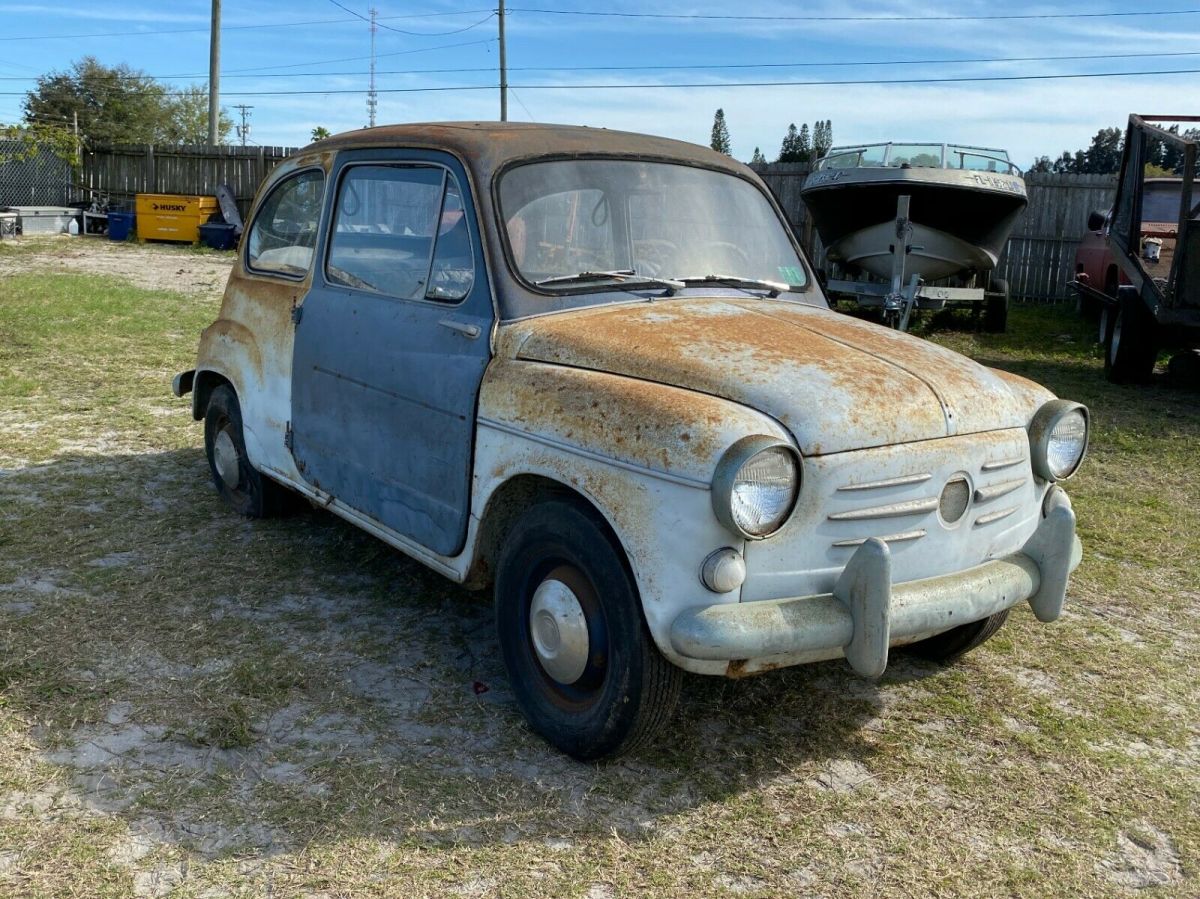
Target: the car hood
(837, 383)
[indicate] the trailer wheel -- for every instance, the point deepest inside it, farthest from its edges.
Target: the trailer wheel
(995, 312)
(1130, 345)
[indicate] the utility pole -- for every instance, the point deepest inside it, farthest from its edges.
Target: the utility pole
(503, 67)
(372, 97)
(214, 74)
(244, 128)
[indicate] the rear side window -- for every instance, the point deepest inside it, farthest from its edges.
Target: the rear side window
(401, 231)
(284, 234)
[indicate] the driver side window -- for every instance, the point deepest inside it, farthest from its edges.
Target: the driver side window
(284, 234)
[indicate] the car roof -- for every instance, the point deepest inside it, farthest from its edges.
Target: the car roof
(489, 146)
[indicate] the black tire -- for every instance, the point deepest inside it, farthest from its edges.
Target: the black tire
(1130, 346)
(955, 643)
(995, 313)
(627, 690)
(253, 495)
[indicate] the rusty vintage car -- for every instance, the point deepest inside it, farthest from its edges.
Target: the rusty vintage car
(594, 369)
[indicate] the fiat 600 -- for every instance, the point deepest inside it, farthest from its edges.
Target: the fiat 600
(594, 370)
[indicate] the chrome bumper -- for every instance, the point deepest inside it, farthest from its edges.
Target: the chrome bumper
(866, 612)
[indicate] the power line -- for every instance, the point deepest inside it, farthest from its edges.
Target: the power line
(267, 25)
(807, 18)
(321, 62)
(681, 67)
(702, 84)
(377, 22)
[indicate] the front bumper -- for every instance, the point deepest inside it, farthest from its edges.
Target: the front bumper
(866, 613)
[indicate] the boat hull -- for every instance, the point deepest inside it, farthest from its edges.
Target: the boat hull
(961, 219)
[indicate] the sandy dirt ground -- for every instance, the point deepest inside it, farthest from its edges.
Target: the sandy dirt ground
(149, 266)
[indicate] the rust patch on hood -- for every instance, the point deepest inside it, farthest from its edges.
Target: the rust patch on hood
(836, 383)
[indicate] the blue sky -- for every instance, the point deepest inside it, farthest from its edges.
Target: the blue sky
(1026, 117)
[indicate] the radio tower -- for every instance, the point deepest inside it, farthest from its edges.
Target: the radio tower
(372, 97)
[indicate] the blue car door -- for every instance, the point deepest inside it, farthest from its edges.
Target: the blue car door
(391, 344)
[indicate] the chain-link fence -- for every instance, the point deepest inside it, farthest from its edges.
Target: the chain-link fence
(32, 176)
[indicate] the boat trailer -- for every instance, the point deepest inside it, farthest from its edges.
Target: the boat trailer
(898, 299)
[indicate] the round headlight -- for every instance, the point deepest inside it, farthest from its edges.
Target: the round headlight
(1058, 439)
(755, 486)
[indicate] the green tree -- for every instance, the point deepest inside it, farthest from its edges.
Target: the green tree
(804, 144)
(822, 138)
(114, 104)
(790, 150)
(1103, 156)
(33, 138)
(758, 158)
(320, 133)
(720, 134)
(189, 117)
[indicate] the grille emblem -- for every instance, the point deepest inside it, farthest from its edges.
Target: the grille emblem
(955, 498)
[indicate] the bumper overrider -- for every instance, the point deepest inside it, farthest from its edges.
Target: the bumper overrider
(866, 612)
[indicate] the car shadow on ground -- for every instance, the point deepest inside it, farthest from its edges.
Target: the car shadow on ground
(253, 686)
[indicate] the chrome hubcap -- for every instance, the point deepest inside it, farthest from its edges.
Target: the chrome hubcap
(225, 455)
(559, 630)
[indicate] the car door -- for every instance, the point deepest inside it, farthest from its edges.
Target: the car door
(391, 345)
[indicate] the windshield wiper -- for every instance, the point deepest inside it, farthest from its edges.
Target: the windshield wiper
(775, 288)
(626, 277)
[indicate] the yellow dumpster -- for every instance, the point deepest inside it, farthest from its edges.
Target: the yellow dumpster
(172, 216)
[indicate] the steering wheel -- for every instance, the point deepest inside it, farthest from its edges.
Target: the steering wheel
(653, 257)
(729, 251)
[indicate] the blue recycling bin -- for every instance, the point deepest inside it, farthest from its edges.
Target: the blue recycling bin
(121, 225)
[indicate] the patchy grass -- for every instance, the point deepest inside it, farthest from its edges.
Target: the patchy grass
(196, 704)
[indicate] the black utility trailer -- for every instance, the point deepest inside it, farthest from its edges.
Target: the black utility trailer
(1160, 306)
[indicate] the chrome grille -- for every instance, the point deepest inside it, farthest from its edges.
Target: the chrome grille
(913, 497)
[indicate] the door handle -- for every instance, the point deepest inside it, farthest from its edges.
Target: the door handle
(469, 331)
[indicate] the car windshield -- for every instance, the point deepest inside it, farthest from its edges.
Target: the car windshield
(589, 225)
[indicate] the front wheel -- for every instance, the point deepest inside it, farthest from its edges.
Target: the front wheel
(583, 667)
(1130, 342)
(242, 487)
(957, 642)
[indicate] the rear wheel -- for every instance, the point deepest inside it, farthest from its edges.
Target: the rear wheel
(958, 642)
(583, 667)
(1130, 344)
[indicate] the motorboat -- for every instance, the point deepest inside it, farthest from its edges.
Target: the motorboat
(963, 204)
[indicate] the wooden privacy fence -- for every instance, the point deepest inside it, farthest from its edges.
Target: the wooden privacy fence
(1037, 262)
(118, 173)
(1039, 258)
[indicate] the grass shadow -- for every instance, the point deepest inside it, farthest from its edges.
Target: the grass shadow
(270, 683)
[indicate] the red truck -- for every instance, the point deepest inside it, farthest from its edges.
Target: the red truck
(1140, 265)
(1094, 262)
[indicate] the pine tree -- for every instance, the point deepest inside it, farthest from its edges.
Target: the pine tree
(758, 158)
(804, 144)
(720, 134)
(822, 138)
(790, 150)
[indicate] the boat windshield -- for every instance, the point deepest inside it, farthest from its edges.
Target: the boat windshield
(584, 226)
(939, 156)
(1161, 201)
